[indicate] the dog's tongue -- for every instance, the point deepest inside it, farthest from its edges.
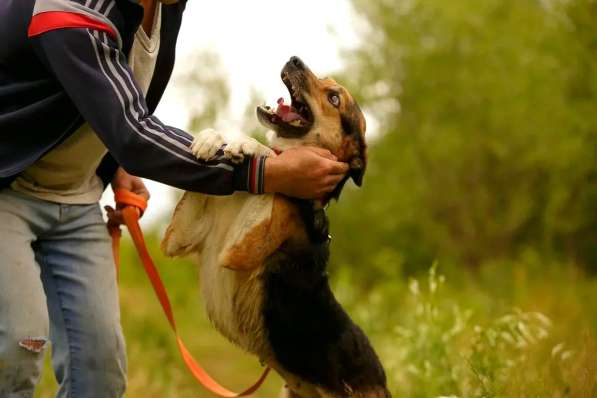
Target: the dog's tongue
(286, 112)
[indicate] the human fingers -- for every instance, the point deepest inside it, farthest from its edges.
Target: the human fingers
(337, 168)
(114, 216)
(332, 179)
(322, 152)
(140, 189)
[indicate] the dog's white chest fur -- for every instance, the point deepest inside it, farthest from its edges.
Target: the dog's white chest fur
(232, 297)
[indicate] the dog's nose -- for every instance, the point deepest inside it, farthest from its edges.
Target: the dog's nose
(297, 62)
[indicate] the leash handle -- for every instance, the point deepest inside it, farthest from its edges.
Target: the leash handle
(124, 198)
(134, 206)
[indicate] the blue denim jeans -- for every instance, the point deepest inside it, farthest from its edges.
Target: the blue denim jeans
(58, 285)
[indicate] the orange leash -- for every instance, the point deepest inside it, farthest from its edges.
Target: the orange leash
(135, 205)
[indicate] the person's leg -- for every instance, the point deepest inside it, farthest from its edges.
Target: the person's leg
(23, 310)
(80, 281)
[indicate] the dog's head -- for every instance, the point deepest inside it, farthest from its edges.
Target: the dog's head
(322, 113)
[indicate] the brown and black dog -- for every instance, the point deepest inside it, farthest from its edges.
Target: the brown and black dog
(263, 258)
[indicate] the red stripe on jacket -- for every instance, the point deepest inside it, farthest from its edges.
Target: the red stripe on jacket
(253, 176)
(52, 20)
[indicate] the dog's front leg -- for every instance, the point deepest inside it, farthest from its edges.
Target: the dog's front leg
(208, 142)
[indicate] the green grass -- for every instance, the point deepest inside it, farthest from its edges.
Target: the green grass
(522, 329)
(518, 329)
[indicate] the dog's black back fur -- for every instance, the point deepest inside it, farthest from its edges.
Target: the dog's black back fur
(310, 333)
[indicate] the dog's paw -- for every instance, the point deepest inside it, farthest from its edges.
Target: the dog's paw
(242, 146)
(234, 152)
(206, 144)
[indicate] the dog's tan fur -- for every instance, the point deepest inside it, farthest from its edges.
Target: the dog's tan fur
(327, 132)
(231, 236)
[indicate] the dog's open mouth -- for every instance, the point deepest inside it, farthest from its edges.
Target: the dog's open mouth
(292, 120)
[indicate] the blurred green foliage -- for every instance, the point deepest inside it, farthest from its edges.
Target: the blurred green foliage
(205, 89)
(521, 329)
(487, 138)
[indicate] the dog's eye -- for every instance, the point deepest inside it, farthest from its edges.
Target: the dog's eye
(334, 99)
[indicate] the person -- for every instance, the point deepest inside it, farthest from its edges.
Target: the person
(79, 81)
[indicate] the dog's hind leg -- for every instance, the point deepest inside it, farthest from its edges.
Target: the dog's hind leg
(317, 393)
(288, 393)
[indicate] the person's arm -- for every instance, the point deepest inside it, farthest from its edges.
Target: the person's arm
(89, 64)
(95, 75)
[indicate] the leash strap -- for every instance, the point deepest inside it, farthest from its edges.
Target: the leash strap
(134, 206)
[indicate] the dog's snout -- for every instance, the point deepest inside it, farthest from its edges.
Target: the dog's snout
(297, 62)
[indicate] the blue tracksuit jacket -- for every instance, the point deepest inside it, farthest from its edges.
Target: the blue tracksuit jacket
(63, 62)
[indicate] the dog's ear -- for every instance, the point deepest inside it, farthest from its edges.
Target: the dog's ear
(189, 226)
(264, 223)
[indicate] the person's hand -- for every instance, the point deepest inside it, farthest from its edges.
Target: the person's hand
(123, 180)
(304, 172)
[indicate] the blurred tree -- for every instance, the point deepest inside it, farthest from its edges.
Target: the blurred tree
(488, 141)
(250, 124)
(206, 90)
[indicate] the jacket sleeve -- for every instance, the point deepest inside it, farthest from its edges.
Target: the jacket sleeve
(94, 73)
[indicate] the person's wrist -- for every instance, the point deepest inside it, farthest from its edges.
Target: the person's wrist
(271, 173)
